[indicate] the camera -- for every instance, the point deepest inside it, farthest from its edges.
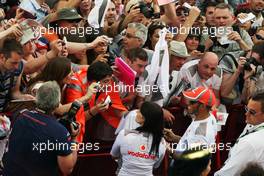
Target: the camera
(148, 12)
(201, 48)
(250, 60)
(111, 57)
(70, 118)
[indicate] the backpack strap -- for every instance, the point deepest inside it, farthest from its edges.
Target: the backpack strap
(230, 56)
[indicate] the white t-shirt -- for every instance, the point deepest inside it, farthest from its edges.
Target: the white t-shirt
(134, 147)
(131, 123)
(128, 122)
(189, 73)
(199, 132)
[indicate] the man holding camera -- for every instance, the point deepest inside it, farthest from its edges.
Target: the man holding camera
(39, 144)
(254, 75)
(252, 70)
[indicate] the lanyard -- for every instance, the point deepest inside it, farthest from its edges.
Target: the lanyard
(257, 129)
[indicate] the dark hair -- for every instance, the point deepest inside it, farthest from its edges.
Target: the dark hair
(209, 4)
(189, 164)
(224, 6)
(194, 33)
(259, 48)
(259, 96)
(98, 71)
(153, 124)
(55, 70)
(11, 45)
(137, 53)
(151, 29)
(252, 169)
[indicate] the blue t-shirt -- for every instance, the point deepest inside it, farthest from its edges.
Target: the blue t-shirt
(35, 142)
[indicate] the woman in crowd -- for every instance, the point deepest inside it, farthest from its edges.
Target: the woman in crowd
(192, 45)
(153, 33)
(59, 70)
(143, 148)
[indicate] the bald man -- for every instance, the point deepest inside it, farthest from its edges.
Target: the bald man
(202, 72)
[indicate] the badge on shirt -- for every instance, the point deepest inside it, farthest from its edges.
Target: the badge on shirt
(143, 148)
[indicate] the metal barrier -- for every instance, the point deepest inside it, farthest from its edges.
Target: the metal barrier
(101, 163)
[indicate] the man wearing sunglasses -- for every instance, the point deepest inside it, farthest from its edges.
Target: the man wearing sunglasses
(259, 36)
(249, 146)
(133, 37)
(182, 13)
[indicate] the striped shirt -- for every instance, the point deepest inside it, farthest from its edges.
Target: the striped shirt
(5, 84)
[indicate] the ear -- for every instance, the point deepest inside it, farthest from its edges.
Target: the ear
(128, 61)
(141, 42)
(2, 58)
(234, 18)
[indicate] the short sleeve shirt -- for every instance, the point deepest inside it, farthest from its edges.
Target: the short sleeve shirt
(34, 145)
(134, 148)
(201, 132)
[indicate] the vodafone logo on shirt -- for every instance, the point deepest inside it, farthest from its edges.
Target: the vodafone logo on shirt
(141, 155)
(143, 148)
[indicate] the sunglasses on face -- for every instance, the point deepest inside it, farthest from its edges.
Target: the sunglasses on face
(250, 111)
(259, 37)
(182, 12)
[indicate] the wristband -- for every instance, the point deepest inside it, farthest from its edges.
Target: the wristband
(86, 106)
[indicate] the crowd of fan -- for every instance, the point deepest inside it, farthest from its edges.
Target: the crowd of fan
(52, 59)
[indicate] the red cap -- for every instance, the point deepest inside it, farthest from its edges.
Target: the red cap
(201, 94)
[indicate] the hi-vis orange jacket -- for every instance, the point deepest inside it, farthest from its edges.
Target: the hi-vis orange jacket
(78, 87)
